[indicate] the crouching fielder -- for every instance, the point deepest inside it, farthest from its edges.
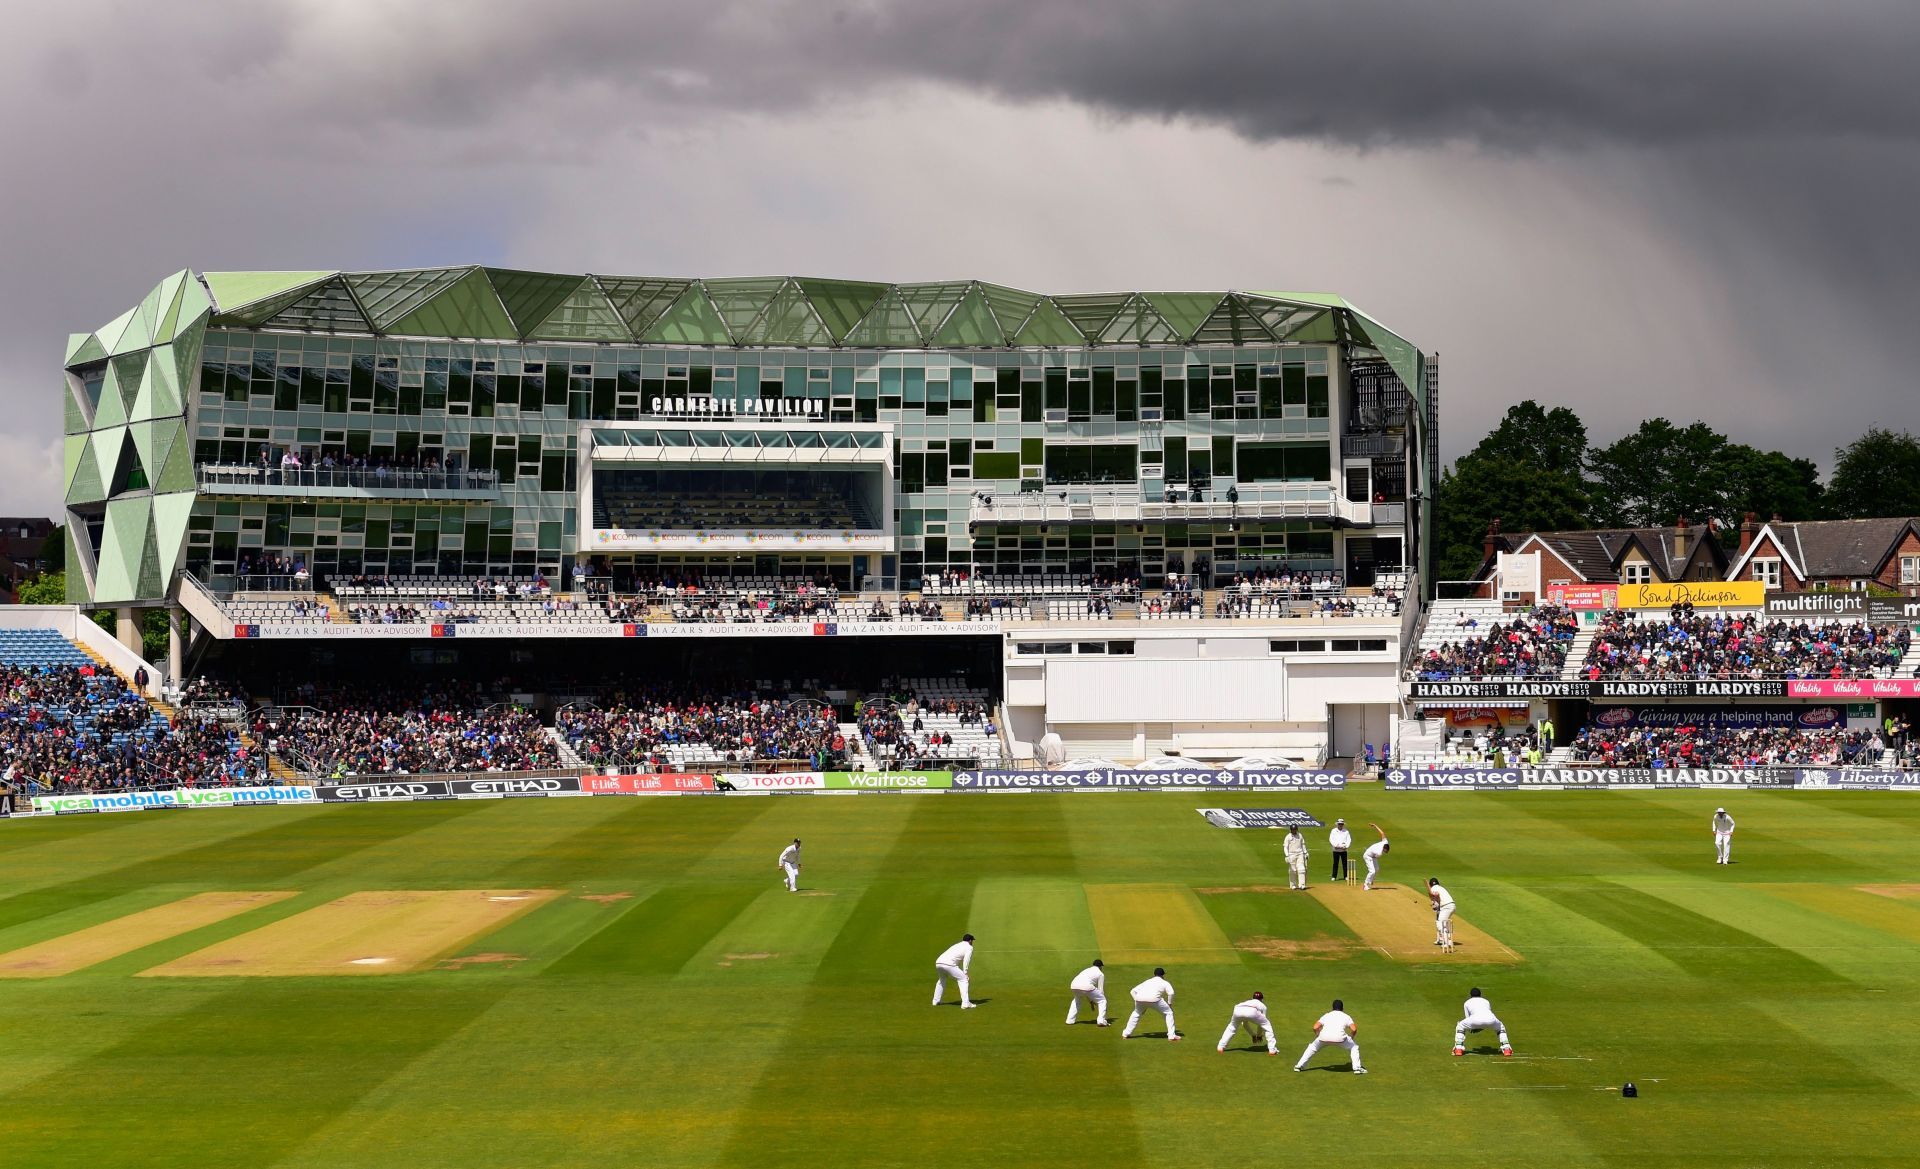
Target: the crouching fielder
(1089, 986)
(1250, 1016)
(954, 962)
(1336, 1028)
(1479, 1017)
(1155, 994)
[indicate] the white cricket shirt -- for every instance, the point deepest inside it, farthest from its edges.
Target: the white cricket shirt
(790, 854)
(1092, 978)
(1153, 990)
(1376, 850)
(1440, 892)
(1252, 1007)
(958, 954)
(1334, 1024)
(1478, 1008)
(1339, 838)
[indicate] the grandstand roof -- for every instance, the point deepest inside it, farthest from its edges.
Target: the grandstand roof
(480, 303)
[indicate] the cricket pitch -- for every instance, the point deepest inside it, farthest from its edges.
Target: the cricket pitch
(1398, 922)
(123, 935)
(370, 932)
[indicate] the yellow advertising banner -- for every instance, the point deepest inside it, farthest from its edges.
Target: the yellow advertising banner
(1705, 594)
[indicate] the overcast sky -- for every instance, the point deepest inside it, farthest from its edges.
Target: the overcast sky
(1697, 209)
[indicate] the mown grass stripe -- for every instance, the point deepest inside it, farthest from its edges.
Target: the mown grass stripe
(1699, 945)
(658, 935)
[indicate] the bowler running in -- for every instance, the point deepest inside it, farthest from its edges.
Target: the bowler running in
(1479, 1016)
(1295, 850)
(1155, 994)
(1373, 856)
(1722, 837)
(1336, 1028)
(1250, 1016)
(790, 865)
(1089, 986)
(954, 962)
(1442, 912)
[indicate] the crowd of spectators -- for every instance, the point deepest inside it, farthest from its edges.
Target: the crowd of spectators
(895, 729)
(341, 731)
(661, 726)
(77, 728)
(1721, 746)
(1694, 645)
(272, 572)
(1527, 645)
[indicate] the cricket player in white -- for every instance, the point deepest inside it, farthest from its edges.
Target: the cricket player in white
(1156, 994)
(1295, 849)
(1442, 911)
(1251, 1016)
(1722, 837)
(790, 865)
(1339, 840)
(954, 962)
(1089, 986)
(1373, 856)
(1336, 1028)
(1479, 1016)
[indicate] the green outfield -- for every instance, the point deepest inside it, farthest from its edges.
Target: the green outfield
(624, 982)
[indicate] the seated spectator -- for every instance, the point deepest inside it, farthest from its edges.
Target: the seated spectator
(1731, 646)
(1528, 645)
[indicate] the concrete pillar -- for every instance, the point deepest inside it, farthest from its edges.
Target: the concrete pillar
(176, 644)
(126, 628)
(1139, 741)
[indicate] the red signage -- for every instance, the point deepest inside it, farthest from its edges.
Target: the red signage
(1584, 596)
(642, 785)
(1864, 688)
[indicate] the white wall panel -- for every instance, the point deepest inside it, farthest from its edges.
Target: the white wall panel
(1110, 690)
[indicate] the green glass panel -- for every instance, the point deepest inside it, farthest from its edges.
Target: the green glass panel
(77, 575)
(789, 320)
(111, 410)
(75, 341)
(126, 333)
(148, 583)
(742, 302)
(1324, 327)
(177, 474)
(132, 474)
(154, 304)
(971, 324)
(1406, 360)
(76, 417)
(142, 408)
(128, 370)
(584, 316)
(1138, 324)
(841, 303)
(170, 316)
(932, 304)
(467, 308)
(236, 290)
(120, 548)
(263, 311)
(1012, 307)
(1048, 327)
(106, 453)
(163, 387)
(888, 323)
(89, 349)
(639, 301)
(691, 321)
(326, 308)
(389, 296)
(1091, 313)
(187, 343)
(531, 297)
(83, 476)
(171, 516)
(1231, 324)
(1281, 319)
(1185, 311)
(193, 304)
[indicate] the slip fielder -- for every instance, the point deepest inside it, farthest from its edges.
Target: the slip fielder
(1722, 837)
(1295, 849)
(1479, 1016)
(954, 962)
(1155, 994)
(790, 865)
(1250, 1016)
(1089, 986)
(1336, 1028)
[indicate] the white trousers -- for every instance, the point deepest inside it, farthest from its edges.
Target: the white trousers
(793, 876)
(1484, 1023)
(1096, 998)
(1255, 1027)
(942, 972)
(1297, 873)
(1373, 867)
(1722, 847)
(1346, 1041)
(1165, 1009)
(1443, 924)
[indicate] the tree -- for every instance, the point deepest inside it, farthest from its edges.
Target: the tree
(1878, 474)
(49, 588)
(53, 550)
(1524, 473)
(1769, 483)
(1660, 472)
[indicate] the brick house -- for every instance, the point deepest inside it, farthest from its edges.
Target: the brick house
(20, 541)
(1605, 556)
(1810, 555)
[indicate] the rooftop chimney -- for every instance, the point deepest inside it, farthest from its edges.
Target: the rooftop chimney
(1680, 539)
(1749, 528)
(1490, 544)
